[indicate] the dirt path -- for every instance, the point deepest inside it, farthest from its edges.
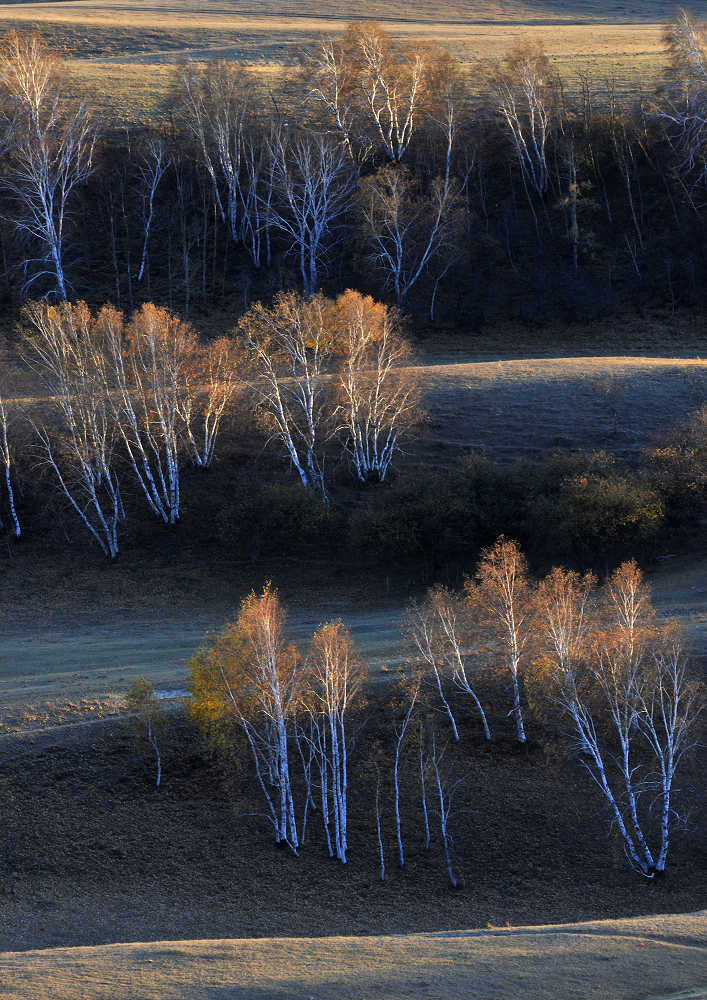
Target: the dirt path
(622, 959)
(97, 657)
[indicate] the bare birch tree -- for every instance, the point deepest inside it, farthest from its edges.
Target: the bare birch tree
(500, 599)
(62, 349)
(147, 717)
(683, 107)
(153, 164)
(376, 93)
(392, 85)
(334, 680)
(379, 393)
(333, 85)
(406, 229)
(256, 191)
(447, 787)
(7, 461)
(313, 185)
(290, 347)
(215, 101)
(525, 89)
(50, 153)
(411, 690)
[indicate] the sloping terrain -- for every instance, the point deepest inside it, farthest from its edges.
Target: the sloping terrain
(103, 625)
(110, 42)
(222, 13)
(621, 959)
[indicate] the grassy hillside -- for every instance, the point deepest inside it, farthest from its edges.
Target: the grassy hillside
(110, 43)
(94, 854)
(223, 12)
(103, 625)
(621, 959)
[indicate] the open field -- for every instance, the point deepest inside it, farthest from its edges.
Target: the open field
(102, 625)
(94, 854)
(125, 53)
(511, 408)
(621, 959)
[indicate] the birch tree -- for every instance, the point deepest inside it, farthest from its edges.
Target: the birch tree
(379, 393)
(251, 673)
(256, 190)
(411, 689)
(392, 83)
(525, 89)
(633, 709)
(439, 631)
(683, 106)
(62, 349)
(333, 85)
(334, 681)
(566, 617)
(374, 92)
(147, 717)
(153, 164)
(500, 598)
(50, 154)
(214, 107)
(408, 230)
(313, 185)
(145, 370)
(447, 788)
(7, 461)
(290, 349)
(212, 381)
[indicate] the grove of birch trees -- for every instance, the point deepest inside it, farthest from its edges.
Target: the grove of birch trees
(591, 660)
(126, 402)
(492, 189)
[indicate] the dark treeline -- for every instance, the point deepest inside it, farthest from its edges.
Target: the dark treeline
(477, 193)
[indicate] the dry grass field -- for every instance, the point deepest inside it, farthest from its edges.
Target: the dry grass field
(622, 959)
(124, 53)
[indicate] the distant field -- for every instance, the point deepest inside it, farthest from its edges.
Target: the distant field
(111, 44)
(622, 959)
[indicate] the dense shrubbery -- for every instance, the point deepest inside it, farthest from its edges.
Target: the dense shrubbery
(582, 507)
